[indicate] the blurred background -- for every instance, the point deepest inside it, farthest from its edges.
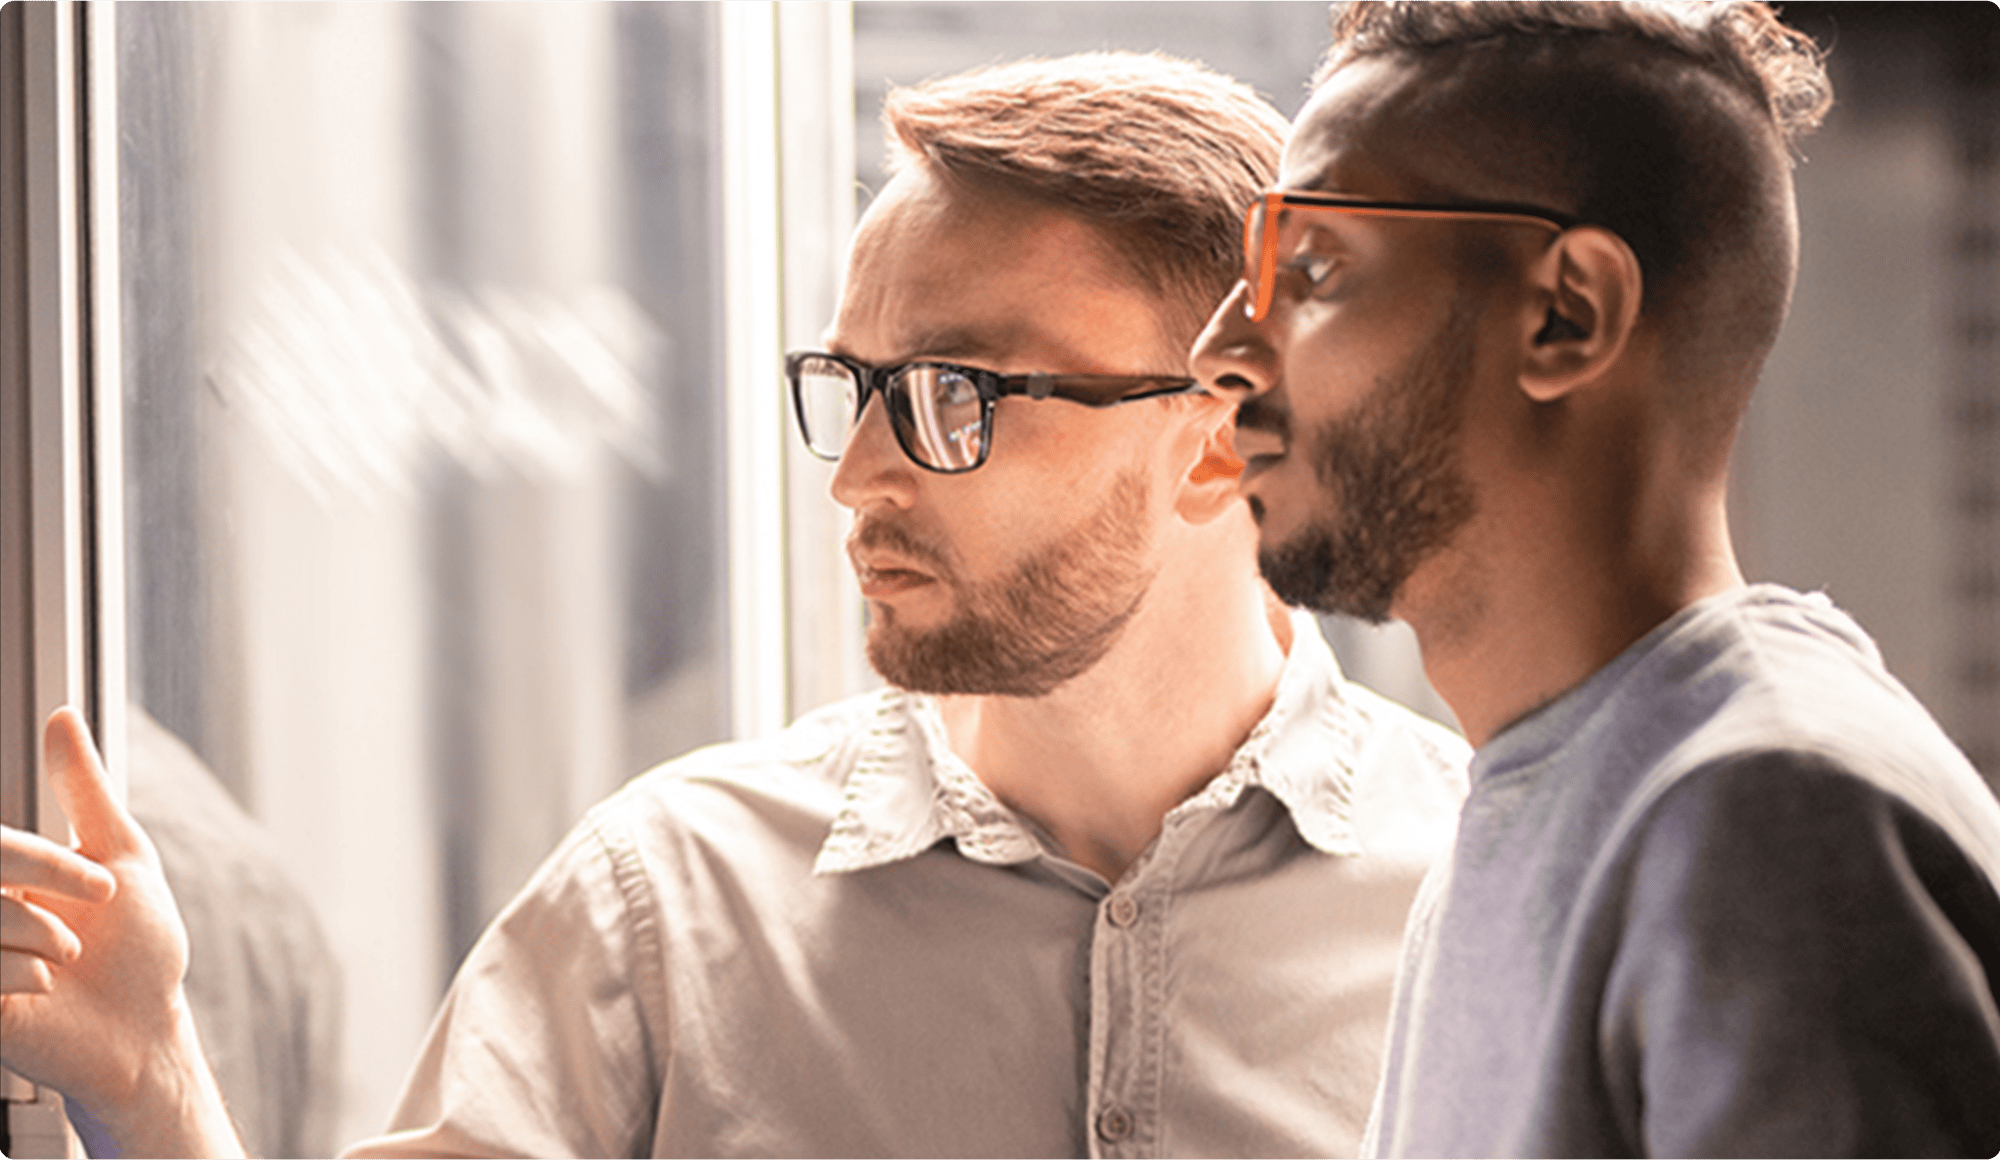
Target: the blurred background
(426, 332)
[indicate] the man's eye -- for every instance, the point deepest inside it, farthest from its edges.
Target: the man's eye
(957, 391)
(1313, 269)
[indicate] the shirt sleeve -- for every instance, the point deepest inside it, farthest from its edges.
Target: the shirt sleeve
(547, 1044)
(1804, 968)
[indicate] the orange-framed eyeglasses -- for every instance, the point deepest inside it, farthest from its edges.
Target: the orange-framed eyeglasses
(1261, 246)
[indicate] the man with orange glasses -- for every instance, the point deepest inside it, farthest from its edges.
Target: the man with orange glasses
(1119, 864)
(1721, 886)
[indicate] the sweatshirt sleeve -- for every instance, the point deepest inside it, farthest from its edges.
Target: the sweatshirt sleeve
(1806, 967)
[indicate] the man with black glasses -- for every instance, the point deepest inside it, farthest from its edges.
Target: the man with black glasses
(1119, 863)
(1721, 886)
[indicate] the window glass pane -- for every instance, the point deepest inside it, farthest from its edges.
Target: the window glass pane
(421, 344)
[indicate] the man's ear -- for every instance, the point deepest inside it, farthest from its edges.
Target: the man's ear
(1584, 306)
(1209, 487)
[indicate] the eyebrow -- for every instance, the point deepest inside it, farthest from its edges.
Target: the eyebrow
(1287, 213)
(972, 344)
(1314, 191)
(960, 342)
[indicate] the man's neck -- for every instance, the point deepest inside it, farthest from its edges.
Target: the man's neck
(1099, 762)
(1507, 631)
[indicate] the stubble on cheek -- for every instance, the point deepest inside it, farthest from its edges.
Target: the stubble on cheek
(1050, 618)
(1391, 489)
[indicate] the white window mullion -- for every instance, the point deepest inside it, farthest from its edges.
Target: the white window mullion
(103, 387)
(753, 372)
(817, 178)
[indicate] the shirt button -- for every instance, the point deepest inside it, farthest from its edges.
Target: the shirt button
(1114, 1124)
(1124, 910)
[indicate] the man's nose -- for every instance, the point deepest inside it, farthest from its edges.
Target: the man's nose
(873, 468)
(1233, 358)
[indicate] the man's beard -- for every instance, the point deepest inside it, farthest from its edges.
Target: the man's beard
(1393, 488)
(1050, 618)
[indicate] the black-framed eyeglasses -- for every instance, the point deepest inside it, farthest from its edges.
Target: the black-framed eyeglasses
(942, 413)
(1261, 245)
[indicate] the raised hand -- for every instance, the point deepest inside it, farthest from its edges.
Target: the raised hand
(32, 938)
(92, 952)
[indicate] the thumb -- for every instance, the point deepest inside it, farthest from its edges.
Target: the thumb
(103, 829)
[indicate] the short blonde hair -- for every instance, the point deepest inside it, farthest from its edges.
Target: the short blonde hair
(1161, 155)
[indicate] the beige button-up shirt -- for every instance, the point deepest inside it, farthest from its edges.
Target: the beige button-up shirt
(837, 942)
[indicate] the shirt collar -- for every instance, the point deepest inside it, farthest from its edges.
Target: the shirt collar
(907, 791)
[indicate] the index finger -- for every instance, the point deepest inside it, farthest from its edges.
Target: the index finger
(103, 829)
(29, 862)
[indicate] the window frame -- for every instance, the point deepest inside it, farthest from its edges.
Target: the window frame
(62, 528)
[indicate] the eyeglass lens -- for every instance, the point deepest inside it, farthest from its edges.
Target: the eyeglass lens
(937, 412)
(942, 416)
(827, 396)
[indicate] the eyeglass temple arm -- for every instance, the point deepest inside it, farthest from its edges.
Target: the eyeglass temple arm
(1043, 386)
(1176, 387)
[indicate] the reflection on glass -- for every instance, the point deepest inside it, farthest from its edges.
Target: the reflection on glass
(263, 982)
(423, 455)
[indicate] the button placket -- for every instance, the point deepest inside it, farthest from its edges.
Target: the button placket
(1128, 997)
